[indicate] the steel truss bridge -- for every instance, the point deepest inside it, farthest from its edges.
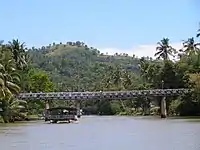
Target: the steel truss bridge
(105, 95)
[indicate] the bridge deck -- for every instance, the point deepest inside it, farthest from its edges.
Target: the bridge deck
(108, 95)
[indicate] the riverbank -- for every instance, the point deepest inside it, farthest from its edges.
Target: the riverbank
(29, 118)
(189, 118)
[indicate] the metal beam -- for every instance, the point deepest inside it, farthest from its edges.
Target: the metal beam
(107, 95)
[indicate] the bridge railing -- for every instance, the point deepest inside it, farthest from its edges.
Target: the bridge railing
(102, 95)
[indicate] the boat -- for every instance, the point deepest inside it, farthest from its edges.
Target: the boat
(62, 114)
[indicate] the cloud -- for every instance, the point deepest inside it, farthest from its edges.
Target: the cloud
(139, 51)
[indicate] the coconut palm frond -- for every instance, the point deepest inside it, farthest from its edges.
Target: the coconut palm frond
(2, 67)
(164, 49)
(2, 93)
(1, 82)
(13, 87)
(198, 33)
(20, 101)
(7, 92)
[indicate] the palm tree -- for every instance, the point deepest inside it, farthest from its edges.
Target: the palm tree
(13, 109)
(164, 49)
(144, 65)
(107, 78)
(8, 82)
(18, 53)
(127, 82)
(113, 80)
(198, 33)
(190, 47)
(117, 78)
(8, 77)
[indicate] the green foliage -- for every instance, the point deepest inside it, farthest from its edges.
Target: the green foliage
(40, 82)
(75, 66)
(79, 68)
(9, 85)
(13, 109)
(164, 49)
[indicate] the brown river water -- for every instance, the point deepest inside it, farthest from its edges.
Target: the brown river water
(103, 133)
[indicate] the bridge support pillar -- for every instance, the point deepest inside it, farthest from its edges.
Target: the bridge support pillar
(78, 107)
(47, 105)
(147, 107)
(163, 108)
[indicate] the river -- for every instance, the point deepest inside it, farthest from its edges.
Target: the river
(103, 133)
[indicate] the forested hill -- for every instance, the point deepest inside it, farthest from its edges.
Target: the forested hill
(77, 67)
(74, 66)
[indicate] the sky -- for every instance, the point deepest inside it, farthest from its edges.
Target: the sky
(130, 26)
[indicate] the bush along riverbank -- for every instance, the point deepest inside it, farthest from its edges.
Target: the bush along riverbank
(74, 66)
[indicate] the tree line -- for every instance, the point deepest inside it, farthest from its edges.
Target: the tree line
(76, 67)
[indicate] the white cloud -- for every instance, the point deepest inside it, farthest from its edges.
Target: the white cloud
(139, 51)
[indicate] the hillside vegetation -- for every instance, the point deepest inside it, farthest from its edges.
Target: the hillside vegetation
(78, 68)
(74, 66)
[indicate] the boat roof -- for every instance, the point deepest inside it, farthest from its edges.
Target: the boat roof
(67, 108)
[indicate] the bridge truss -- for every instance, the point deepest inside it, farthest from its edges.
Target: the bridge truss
(106, 95)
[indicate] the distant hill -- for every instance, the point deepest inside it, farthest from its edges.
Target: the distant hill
(75, 65)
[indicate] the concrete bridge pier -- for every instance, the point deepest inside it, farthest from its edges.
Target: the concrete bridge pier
(163, 108)
(47, 105)
(78, 106)
(147, 106)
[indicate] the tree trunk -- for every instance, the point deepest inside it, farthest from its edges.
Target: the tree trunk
(122, 104)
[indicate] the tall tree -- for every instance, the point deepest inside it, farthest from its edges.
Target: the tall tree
(9, 81)
(39, 82)
(164, 49)
(190, 47)
(198, 33)
(18, 53)
(12, 109)
(8, 76)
